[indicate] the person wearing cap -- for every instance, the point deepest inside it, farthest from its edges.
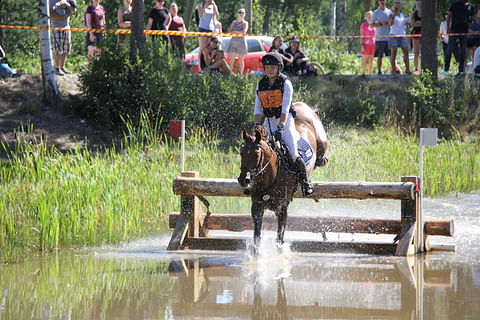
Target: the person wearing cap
(299, 65)
(274, 101)
(212, 58)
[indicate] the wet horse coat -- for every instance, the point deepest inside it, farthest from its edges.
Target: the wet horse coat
(271, 187)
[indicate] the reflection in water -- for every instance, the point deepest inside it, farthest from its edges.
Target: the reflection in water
(143, 281)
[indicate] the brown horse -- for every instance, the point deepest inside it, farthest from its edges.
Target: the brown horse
(271, 186)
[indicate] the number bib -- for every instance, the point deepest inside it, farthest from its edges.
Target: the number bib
(271, 98)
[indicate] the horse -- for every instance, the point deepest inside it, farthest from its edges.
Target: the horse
(271, 186)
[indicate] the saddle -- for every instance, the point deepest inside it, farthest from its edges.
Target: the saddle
(305, 151)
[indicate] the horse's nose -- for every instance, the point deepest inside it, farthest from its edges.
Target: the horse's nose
(244, 179)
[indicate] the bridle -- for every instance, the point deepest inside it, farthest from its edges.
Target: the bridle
(259, 171)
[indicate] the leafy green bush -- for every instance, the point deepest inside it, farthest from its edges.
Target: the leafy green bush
(114, 88)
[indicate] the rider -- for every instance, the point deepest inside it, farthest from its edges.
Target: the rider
(274, 100)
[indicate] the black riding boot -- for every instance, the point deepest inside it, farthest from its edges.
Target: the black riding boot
(307, 186)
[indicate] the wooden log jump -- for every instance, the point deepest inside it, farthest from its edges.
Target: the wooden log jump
(192, 224)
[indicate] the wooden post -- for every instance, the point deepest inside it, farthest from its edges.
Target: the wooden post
(408, 214)
(190, 205)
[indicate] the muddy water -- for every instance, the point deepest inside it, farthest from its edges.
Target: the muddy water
(141, 280)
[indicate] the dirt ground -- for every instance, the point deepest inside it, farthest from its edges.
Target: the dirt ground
(23, 115)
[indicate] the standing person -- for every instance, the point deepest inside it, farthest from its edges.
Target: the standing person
(398, 25)
(476, 61)
(177, 24)
(207, 12)
(274, 101)
(416, 21)
(238, 45)
(158, 19)
(368, 42)
(124, 17)
(457, 22)
(473, 40)
(95, 19)
(444, 37)
(60, 11)
(379, 21)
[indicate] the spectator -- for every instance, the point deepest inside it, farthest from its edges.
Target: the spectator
(382, 30)
(277, 47)
(60, 11)
(398, 25)
(416, 21)
(299, 65)
(368, 42)
(207, 12)
(217, 26)
(159, 19)
(6, 70)
(176, 24)
(124, 17)
(212, 59)
(476, 61)
(473, 40)
(238, 45)
(457, 22)
(444, 38)
(95, 19)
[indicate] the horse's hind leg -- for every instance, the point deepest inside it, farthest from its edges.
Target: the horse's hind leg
(257, 216)
(282, 224)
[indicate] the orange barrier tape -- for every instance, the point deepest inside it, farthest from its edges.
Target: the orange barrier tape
(209, 34)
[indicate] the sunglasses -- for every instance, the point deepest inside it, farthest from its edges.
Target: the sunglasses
(241, 12)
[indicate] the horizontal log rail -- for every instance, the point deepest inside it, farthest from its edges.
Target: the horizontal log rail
(323, 190)
(243, 222)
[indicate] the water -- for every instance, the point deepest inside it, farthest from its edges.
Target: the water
(141, 280)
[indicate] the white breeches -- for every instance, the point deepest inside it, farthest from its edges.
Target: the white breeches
(290, 134)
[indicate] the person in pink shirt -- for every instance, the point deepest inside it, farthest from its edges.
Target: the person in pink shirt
(368, 43)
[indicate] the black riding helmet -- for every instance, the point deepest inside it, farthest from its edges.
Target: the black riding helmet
(272, 59)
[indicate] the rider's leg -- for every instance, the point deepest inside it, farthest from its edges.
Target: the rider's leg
(290, 137)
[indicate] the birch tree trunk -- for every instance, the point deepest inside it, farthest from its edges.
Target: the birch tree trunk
(51, 94)
(342, 19)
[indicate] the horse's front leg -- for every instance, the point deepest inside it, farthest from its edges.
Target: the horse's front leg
(257, 215)
(282, 223)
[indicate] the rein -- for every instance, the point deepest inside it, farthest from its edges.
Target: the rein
(262, 170)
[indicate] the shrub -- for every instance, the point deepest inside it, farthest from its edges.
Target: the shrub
(114, 88)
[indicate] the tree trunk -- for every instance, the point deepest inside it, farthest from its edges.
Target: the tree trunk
(368, 6)
(342, 19)
(187, 17)
(266, 20)
(51, 94)
(333, 19)
(429, 37)
(137, 38)
(248, 14)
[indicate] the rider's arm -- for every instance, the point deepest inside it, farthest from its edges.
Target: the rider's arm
(258, 112)
(287, 101)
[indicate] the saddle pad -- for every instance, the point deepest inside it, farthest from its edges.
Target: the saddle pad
(305, 150)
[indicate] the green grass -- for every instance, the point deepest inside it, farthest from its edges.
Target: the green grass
(52, 200)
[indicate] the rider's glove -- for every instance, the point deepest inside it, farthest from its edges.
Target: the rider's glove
(277, 135)
(256, 125)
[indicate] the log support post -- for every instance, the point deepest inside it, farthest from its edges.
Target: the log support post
(409, 209)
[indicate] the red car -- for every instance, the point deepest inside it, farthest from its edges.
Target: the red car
(257, 48)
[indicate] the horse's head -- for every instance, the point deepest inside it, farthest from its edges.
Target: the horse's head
(252, 154)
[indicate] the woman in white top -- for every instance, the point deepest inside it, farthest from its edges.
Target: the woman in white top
(398, 27)
(207, 12)
(443, 35)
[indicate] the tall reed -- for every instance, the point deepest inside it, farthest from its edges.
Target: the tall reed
(52, 200)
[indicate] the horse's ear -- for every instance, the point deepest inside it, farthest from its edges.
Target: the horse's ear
(244, 134)
(258, 136)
